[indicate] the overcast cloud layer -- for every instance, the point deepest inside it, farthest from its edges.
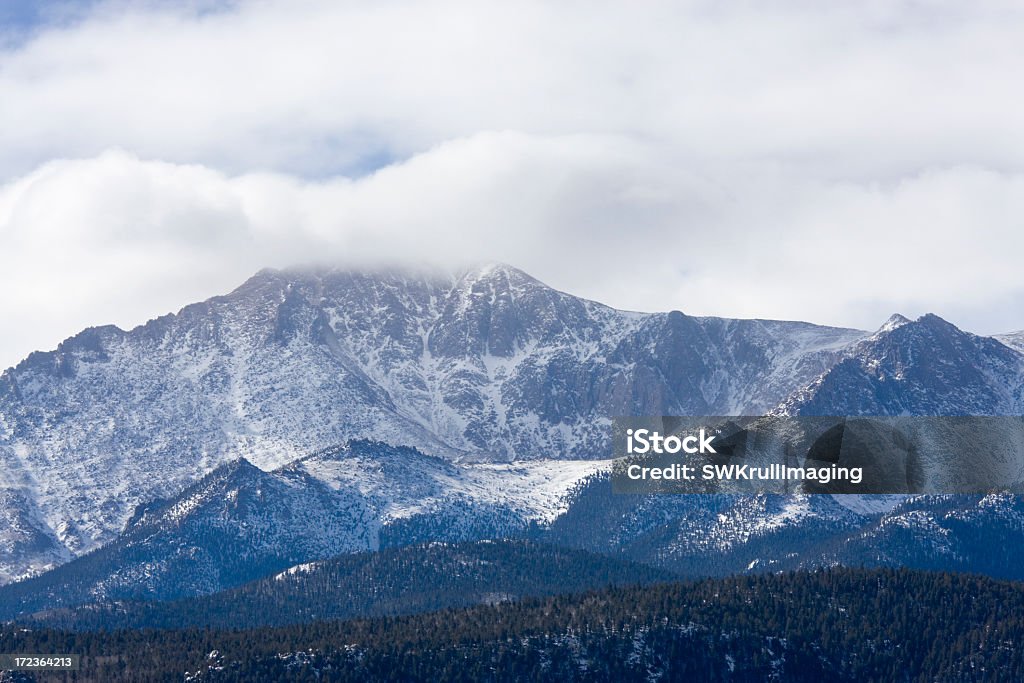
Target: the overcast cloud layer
(789, 159)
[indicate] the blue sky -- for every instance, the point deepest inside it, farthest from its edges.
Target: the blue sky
(856, 159)
(26, 14)
(20, 19)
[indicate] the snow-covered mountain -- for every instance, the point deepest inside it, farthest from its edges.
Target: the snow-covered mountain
(240, 523)
(719, 535)
(921, 367)
(489, 372)
(488, 365)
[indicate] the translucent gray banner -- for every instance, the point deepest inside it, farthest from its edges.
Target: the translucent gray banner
(781, 454)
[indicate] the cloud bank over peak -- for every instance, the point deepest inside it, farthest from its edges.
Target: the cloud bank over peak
(788, 159)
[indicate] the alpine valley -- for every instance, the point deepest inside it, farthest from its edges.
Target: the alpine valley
(315, 414)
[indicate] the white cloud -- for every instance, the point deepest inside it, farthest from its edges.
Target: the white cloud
(786, 159)
(309, 85)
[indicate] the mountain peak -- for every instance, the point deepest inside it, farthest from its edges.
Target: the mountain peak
(927, 366)
(495, 272)
(929, 324)
(240, 465)
(894, 321)
(936, 323)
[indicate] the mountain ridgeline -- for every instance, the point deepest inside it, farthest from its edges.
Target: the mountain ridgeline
(490, 365)
(476, 405)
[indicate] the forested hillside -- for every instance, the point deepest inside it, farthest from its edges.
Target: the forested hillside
(837, 625)
(387, 583)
